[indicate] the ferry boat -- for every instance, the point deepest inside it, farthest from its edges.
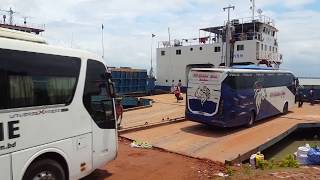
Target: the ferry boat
(253, 41)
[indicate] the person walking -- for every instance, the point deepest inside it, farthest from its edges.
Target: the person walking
(177, 93)
(119, 112)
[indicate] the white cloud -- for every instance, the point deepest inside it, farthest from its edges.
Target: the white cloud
(130, 23)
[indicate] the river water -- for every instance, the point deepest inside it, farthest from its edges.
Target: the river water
(290, 144)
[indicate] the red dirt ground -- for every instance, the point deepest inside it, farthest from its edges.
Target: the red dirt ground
(155, 164)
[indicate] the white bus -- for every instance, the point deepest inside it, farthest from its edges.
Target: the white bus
(57, 117)
(238, 96)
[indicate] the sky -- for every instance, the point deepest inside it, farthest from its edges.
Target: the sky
(128, 25)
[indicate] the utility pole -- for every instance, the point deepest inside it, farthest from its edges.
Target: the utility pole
(253, 8)
(102, 41)
(228, 37)
(151, 54)
(11, 16)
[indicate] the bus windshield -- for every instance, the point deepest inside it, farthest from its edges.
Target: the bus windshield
(204, 90)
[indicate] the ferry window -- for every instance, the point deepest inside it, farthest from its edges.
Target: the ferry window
(163, 53)
(25, 80)
(200, 48)
(96, 96)
(178, 51)
(191, 49)
(240, 47)
(217, 49)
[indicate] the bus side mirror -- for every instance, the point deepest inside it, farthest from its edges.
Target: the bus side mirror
(108, 75)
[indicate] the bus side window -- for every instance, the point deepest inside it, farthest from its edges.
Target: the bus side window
(96, 97)
(25, 80)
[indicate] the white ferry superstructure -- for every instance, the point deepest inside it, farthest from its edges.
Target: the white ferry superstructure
(254, 41)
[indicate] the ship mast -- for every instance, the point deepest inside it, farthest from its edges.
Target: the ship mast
(253, 8)
(16, 26)
(11, 12)
(228, 62)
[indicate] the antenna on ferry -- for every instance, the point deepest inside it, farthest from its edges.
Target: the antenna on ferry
(11, 12)
(253, 8)
(102, 41)
(169, 36)
(259, 11)
(151, 68)
(228, 37)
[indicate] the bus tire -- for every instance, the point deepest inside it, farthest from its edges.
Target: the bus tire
(45, 169)
(285, 108)
(251, 119)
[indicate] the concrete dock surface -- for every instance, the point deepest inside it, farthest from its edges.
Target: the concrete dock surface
(164, 107)
(218, 144)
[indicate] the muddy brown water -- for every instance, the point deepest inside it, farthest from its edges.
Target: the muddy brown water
(290, 144)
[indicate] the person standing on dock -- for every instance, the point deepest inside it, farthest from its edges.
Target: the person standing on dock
(311, 95)
(179, 84)
(172, 87)
(300, 98)
(119, 112)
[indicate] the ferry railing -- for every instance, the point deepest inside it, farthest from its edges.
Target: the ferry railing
(260, 18)
(27, 25)
(248, 36)
(209, 40)
(188, 42)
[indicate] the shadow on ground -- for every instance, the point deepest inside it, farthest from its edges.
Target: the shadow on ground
(98, 175)
(216, 132)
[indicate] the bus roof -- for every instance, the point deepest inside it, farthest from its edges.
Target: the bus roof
(22, 41)
(252, 66)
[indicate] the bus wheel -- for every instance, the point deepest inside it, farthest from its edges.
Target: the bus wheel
(251, 119)
(45, 169)
(285, 108)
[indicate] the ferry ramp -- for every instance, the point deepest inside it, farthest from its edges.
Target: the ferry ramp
(224, 145)
(164, 109)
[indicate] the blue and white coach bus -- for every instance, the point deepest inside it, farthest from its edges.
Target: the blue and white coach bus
(57, 117)
(234, 97)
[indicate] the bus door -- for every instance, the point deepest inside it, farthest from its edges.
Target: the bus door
(99, 102)
(204, 91)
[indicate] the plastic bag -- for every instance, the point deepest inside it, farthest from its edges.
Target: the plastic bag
(314, 156)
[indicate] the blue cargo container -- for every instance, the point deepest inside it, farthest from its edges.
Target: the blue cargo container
(131, 81)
